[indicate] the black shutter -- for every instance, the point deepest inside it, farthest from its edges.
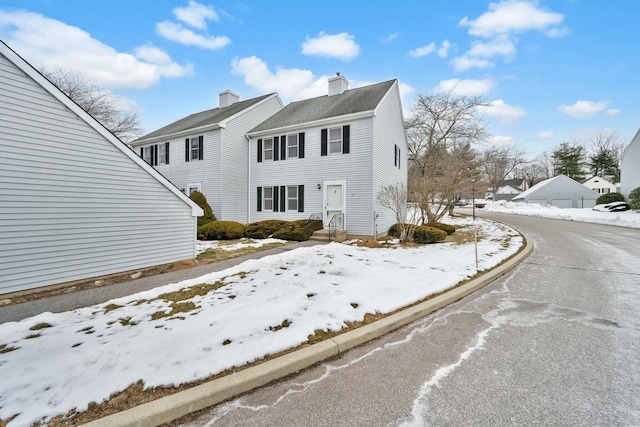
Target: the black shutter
(200, 147)
(300, 198)
(260, 150)
(283, 147)
(142, 152)
(323, 142)
(275, 194)
(395, 155)
(346, 139)
(166, 153)
(259, 199)
(398, 157)
(301, 145)
(276, 147)
(154, 154)
(186, 150)
(283, 198)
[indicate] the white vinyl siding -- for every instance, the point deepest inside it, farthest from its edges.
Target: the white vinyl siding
(73, 205)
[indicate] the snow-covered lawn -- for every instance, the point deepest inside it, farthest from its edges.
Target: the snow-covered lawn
(182, 332)
(624, 219)
(203, 245)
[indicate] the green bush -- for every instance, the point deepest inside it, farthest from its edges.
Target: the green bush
(263, 229)
(449, 229)
(314, 224)
(221, 230)
(634, 199)
(423, 235)
(609, 198)
(297, 231)
(201, 201)
(394, 230)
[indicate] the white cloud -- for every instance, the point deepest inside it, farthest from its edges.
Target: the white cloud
(464, 62)
(196, 15)
(49, 43)
(512, 16)
(501, 45)
(545, 135)
(390, 38)
(423, 50)
(612, 112)
(177, 33)
(500, 140)
(444, 49)
(341, 46)
(583, 109)
(467, 87)
(507, 114)
(555, 33)
(292, 83)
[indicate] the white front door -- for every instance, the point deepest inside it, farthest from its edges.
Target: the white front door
(334, 197)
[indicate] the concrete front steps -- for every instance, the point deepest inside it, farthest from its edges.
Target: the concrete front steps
(323, 235)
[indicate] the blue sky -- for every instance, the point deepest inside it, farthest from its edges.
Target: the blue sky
(551, 71)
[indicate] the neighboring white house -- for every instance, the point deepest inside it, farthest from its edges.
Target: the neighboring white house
(209, 151)
(560, 191)
(75, 201)
(507, 190)
(330, 156)
(630, 166)
(599, 185)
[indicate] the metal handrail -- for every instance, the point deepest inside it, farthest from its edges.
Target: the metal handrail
(334, 222)
(314, 216)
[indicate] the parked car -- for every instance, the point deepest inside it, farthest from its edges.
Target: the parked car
(612, 207)
(461, 203)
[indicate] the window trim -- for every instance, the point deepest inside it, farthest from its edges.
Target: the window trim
(291, 146)
(291, 198)
(265, 199)
(331, 142)
(266, 150)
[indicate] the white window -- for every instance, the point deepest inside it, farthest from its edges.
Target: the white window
(194, 187)
(335, 140)
(267, 196)
(148, 154)
(162, 154)
(195, 148)
(292, 145)
(292, 197)
(268, 149)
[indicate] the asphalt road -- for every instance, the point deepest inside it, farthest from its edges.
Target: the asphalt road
(554, 342)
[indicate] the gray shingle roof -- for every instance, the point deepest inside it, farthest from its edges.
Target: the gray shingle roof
(204, 118)
(350, 101)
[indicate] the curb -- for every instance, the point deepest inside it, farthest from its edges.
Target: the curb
(175, 406)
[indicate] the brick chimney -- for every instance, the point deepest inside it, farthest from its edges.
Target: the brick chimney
(227, 98)
(337, 85)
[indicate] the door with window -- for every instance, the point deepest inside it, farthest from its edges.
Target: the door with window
(334, 197)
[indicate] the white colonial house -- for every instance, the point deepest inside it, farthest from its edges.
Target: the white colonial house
(600, 185)
(209, 151)
(559, 191)
(75, 201)
(630, 166)
(329, 157)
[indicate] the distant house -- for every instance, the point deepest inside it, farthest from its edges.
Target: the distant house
(630, 166)
(329, 157)
(560, 191)
(599, 185)
(76, 202)
(208, 151)
(507, 190)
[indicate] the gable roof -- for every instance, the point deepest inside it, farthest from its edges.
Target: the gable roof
(215, 116)
(36, 76)
(560, 183)
(351, 101)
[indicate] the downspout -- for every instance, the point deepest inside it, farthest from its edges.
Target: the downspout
(248, 178)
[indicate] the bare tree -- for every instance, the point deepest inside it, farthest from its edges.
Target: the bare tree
(441, 133)
(606, 154)
(535, 170)
(98, 102)
(500, 162)
(394, 197)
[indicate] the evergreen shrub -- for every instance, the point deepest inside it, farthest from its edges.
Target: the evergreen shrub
(221, 230)
(394, 230)
(263, 229)
(448, 228)
(634, 199)
(424, 234)
(201, 201)
(609, 198)
(297, 231)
